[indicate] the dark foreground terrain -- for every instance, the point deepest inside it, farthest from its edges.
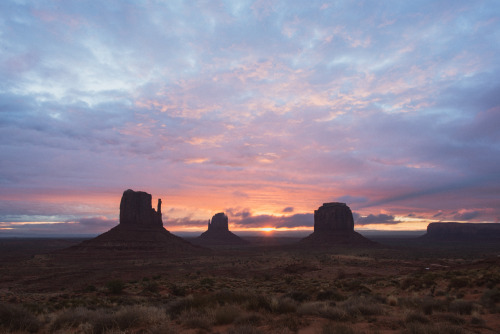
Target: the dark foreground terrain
(403, 286)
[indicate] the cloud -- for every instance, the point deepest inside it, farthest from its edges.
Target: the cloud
(90, 225)
(376, 219)
(296, 220)
(249, 105)
(288, 209)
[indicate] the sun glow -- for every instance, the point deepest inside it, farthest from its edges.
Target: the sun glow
(267, 229)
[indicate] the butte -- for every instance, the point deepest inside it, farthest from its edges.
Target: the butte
(218, 233)
(140, 230)
(334, 226)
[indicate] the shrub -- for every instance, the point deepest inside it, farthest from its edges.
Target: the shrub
(16, 318)
(458, 283)
(490, 297)
(101, 321)
(330, 295)
(249, 319)
(298, 296)
(362, 306)
(71, 318)
(324, 310)
(244, 330)
(429, 305)
(283, 305)
(208, 282)
(178, 290)
(115, 287)
(337, 329)
(226, 315)
(259, 303)
(152, 287)
(200, 319)
(419, 328)
(461, 306)
(416, 317)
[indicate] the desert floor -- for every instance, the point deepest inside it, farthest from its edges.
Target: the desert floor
(272, 286)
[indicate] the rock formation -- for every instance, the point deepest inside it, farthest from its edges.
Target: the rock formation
(451, 231)
(332, 217)
(140, 229)
(136, 210)
(218, 233)
(334, 225)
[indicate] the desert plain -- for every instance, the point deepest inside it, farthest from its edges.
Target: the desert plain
(269, 285)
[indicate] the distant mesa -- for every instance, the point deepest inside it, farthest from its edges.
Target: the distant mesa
(453, 231)
(140, 229)
(218, 233)
(334, 225)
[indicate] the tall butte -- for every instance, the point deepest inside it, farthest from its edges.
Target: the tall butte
(218, 233)
(140, 229)
(334, 225)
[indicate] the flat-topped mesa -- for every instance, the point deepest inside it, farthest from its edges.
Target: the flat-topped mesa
(463, 231)
(334, 226)
(333, 217)
(219, 222)
(136, 210)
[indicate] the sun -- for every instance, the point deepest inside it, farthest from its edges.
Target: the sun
(267, 229)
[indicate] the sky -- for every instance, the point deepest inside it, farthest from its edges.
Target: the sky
(263, 110)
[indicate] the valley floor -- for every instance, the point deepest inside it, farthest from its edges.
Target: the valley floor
(275, 288)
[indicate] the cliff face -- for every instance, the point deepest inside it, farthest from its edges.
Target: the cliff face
(136, 210)
(334, 225)
(219, 222)
(333, 217)
(462, 231)
(218, 233)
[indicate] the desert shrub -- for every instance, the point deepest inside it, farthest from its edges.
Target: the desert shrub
(131, 317)
(253, 319)
(362, 306)
(392, 300)
(283, 305)
(259, 303)
(101, 321)
(477, 320)
(178, 306)
(226, 314)
(178, 290)
(299, 296)
(288, 322)
(198, 319)
(429, 305)
(208, 282)
(245, 329)
(17, 318)
(71, 318)
(416, 317)
(115, 286)
(331, 328)
(152, 287)
(227, 296)
(449, 318)
(324, 310)
(458, 283)
(330, 295)
(490, 297)
(420, 328)
(461, 306)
